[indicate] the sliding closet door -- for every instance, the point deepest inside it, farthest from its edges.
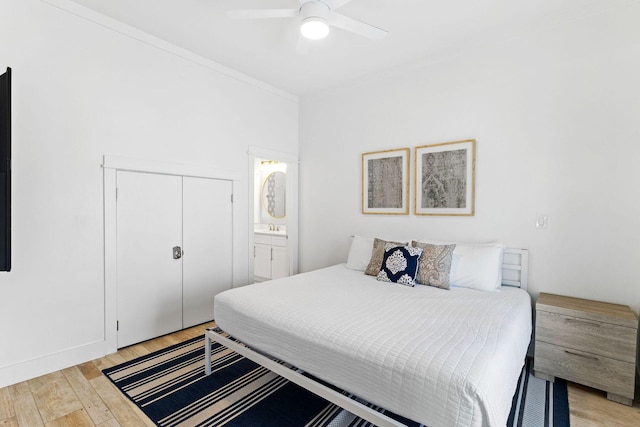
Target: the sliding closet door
(149, 226)
(208, 246)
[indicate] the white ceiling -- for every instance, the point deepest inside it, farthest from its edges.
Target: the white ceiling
(266, 49)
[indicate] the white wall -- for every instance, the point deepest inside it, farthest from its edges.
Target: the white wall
(555, 115)
(81, 90)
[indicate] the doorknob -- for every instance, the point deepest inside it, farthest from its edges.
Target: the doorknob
(177, 252)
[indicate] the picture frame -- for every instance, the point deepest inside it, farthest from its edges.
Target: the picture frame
(444, 178)
(385, 182)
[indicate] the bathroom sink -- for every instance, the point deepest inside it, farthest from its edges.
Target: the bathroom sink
(270, 232)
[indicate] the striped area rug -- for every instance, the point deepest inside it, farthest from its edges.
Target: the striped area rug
(170, 387)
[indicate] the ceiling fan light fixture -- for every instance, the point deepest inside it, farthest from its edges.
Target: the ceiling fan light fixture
(314, 28)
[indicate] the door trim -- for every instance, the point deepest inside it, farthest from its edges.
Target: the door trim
(167, 168)
(112, 164)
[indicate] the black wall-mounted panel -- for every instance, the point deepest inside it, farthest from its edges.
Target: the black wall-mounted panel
(5, 171)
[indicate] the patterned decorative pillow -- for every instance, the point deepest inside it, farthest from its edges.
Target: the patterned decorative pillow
(377, 254)
(400, 264)
(435, 264)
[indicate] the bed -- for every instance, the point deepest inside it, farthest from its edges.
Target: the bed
(438, 357)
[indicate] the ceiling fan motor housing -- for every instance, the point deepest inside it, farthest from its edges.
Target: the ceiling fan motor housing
(314, 14)
(314, 9)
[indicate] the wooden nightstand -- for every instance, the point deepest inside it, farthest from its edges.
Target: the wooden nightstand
(587, 342)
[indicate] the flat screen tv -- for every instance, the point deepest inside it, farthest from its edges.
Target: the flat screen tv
(5, 171)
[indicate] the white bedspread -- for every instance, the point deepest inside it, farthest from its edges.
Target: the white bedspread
(442, 358)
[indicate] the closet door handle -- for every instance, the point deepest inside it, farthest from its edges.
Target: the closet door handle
(177, 252)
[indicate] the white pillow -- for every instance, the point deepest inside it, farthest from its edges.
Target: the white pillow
(360, 253)
(477, 266)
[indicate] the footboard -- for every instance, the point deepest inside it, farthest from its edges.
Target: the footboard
(296, 377)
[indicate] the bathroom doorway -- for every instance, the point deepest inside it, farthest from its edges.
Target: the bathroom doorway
(273, 236)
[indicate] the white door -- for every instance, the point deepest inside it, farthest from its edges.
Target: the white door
(149, 225)
(208, 246)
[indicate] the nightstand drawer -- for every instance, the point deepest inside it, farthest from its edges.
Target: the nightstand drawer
(603, 373)
(603, 339)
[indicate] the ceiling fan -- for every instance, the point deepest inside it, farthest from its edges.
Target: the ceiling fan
(316, 17)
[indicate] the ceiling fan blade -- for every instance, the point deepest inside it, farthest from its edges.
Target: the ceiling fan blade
(262, 13)
(355, 26)
(303, 45)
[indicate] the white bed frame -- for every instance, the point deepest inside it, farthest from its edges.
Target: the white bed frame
(515, 268)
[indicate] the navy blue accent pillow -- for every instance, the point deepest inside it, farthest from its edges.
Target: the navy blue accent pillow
(400, 264)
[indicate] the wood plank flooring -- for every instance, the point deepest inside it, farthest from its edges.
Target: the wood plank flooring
(590, 408)
(82, 396)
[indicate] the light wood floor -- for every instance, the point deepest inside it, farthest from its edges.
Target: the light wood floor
(82, 396)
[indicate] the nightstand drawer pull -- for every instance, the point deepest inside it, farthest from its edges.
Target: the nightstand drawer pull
(581, 355)
(594, 324)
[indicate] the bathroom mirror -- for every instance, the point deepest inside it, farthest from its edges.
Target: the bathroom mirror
(274, 194)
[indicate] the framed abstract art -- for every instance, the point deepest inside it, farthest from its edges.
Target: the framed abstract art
(445, 178)
(385, 182)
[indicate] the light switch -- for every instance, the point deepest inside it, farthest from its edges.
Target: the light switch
(541, 221)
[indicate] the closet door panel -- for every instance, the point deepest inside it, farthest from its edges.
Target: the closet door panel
(207, 237)
(149, 225)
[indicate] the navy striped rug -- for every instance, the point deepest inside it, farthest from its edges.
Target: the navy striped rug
(170, 387)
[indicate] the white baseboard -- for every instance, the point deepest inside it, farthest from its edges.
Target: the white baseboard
(33, 368)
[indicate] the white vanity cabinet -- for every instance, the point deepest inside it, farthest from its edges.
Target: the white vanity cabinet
(271, 257)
